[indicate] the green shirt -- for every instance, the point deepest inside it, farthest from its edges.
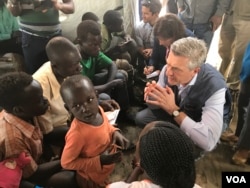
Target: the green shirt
(8, 23)
(92, 65)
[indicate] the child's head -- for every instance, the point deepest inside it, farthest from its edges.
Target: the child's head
(89, 37)
(167, 155)
(21, 95)
(80, 98)
(150, 8)
(113, 21)
(168, 29)
(64, 57)
(90, 16)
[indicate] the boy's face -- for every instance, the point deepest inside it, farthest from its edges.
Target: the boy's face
(91, 46)
(82, 102)
(33, 103)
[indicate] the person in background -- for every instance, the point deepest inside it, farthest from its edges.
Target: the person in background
(167, 29)
(94, 61)
(22, 100)
(116, 43)
(202, 17)
(234, 38)
(241, 135)
(94, 156)
(64, 61)
(39, 22)
(144, 35)
(165, 157)
(9, 34)
(189, 93)
(90, 16)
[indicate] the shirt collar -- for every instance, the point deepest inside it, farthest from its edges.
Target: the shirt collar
(26, 128)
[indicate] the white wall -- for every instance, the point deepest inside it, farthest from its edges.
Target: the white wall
(99, 7)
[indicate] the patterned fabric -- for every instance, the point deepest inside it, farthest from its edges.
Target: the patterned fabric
(18, 136)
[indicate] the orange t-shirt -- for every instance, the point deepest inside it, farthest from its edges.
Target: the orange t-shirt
(84, 144)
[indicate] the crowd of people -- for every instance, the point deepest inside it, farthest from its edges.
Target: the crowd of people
(53, 112)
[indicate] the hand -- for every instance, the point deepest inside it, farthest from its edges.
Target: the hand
(148, 70)
(120, 140)
(107, 159)
(147, 53)
(109, 105)
(164, 98)
(216, 21)
(148, 88)
(57, 4)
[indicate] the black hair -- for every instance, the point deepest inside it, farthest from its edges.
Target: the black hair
(71, 82)
(169, 26)
(86, 27)
(167, 156)
(58, 46)
(153, 5)
(90, 16)
(112, 17)
(12, 86)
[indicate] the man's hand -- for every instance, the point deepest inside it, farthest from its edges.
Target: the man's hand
(164, 98)
(109, 105)
(148, 70)
(107, 159)
(216, 21)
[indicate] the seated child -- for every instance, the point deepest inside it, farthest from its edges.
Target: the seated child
(91, 142)
(22, 100)
(116, 44)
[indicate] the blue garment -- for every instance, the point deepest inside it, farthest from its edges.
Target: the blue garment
(245, 70)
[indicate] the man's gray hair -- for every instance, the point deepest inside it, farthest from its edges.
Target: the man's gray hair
(192, 48)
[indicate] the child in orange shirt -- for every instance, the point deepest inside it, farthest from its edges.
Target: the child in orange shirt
(91, 142)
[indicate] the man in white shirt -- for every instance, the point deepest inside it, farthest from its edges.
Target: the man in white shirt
(189, 93)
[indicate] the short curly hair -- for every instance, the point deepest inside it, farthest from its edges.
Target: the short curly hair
(86, 27)
(12, 86)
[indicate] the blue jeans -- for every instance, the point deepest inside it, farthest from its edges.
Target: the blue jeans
(34, 50)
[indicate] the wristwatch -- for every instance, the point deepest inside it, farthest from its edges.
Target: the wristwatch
(175, 113)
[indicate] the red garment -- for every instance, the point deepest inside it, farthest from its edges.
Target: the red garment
(84, 144)
(11, 171)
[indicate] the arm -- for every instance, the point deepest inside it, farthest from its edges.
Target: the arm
(205, 133)
(221, 7)
(66, 6)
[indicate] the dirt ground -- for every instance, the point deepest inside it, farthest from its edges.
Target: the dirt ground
(208, 168)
